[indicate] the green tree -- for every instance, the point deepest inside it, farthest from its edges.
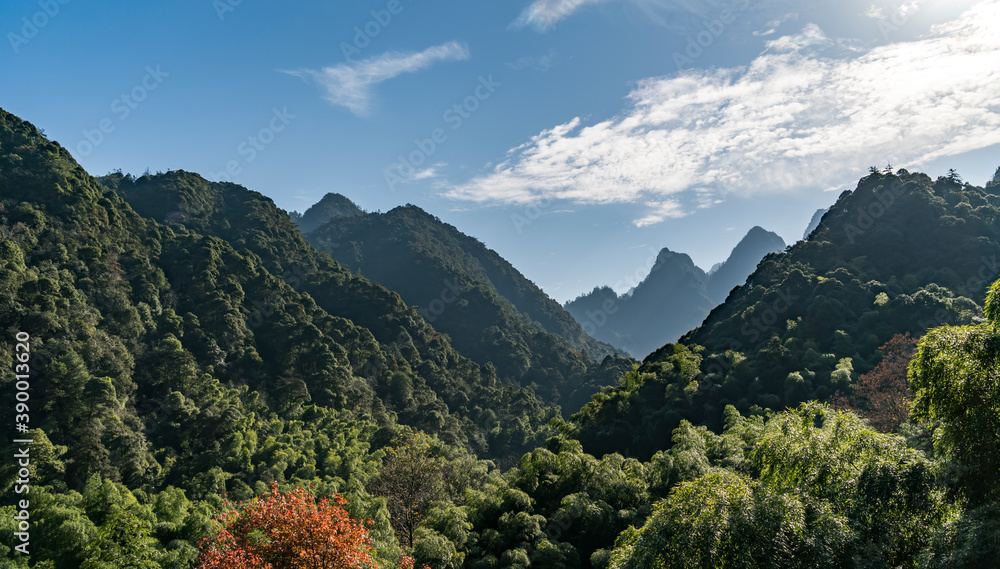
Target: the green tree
(410, 479)
(122, 542)
(955, 377)
(727, 520)
(889, 493)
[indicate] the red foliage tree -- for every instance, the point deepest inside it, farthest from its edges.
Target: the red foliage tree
(288, 531)
(883, 395)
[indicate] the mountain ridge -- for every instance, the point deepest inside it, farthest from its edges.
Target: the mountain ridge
(901, 253)
(468, 291)
(672, 299)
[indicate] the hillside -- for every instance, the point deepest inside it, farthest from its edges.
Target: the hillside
(330, 207)
(672, 300)
(190, 332)
(814, 222)
(194, 364)
(489, 310)
(900, 254)
(742, 261)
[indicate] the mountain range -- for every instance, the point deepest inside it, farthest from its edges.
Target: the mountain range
(673, 299)
(900, 254)
(488, 309)
(189, 351)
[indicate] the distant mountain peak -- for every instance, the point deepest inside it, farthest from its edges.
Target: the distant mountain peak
(331, 206)
(666, 256)
(814, 222)
(758, 234)
(757, 243)
(332, 198)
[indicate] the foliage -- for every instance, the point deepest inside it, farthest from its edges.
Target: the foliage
(956, 380)
(725, 520)
(969, 542)
(288, 530)
(410, 478)
(899, 254)
(490, 311)
(815, 488)
(188, 343)
(883, 395)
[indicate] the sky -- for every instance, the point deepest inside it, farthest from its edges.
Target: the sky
(574, 137)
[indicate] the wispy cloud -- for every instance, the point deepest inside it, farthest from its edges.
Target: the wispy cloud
(798, 117)
(773, 25)
(875, 12)
(543, 15)
(661, 211)
(351, 85)
(902, 10)
(427, 173)
(536, 62)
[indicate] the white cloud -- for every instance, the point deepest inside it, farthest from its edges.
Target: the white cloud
(875, 12)
(897, 11)
(661, 211)
(538, 63)
(427, 173)
(351, 85)
(544, 14)
(798, 117)
(772, 26)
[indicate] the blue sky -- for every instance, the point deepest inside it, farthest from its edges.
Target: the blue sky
(574, 137)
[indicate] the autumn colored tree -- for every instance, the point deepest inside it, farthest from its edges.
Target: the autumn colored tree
(288, 531)
(882, 395)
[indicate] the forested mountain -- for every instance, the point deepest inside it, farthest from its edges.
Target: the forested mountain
(332, 206)
(184, 333)
(814, 222)
(204, 389)
(741, 262)
(673, 299)
(900, 254)
(489, 310)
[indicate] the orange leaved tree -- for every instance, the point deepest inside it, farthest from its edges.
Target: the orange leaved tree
(883, 395)
(288, 531)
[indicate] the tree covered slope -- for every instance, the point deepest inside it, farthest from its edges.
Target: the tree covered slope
(183, 340)
(489, 310)
(900, 253)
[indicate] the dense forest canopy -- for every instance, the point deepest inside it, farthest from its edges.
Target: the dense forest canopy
(489, 310)
(207, 389)
(899, 254)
